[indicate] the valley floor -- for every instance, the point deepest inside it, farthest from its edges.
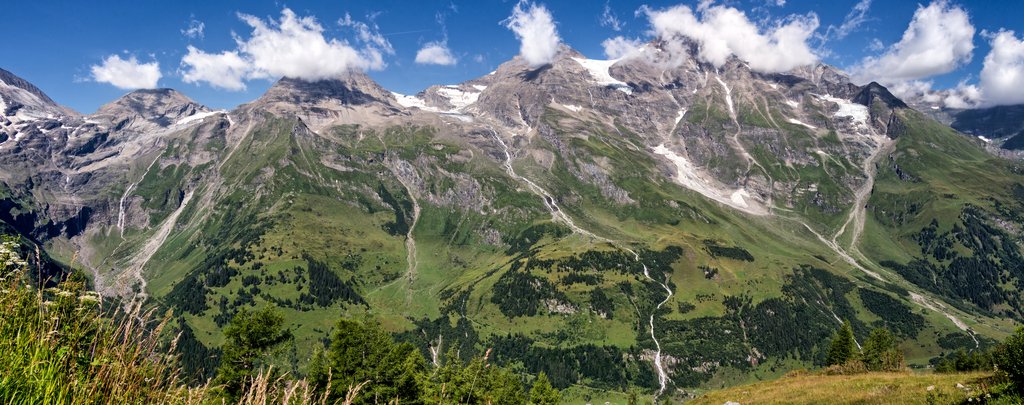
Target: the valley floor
(869, 388)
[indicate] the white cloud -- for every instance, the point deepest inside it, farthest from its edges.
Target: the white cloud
(610, 20)
(435, 53)
(225, 70)
(370, 36)
(195, 29)
(620, 47)
(938, 40)
(295, 47)
(1002, 76)
(915, 89)
(127, 74)
(721, 32)
(876, 45)
(535, 28)
(963, 96)
(857, 16)
(290, 47)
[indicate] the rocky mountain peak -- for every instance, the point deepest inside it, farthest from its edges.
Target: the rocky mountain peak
(356, 88)
(873, 92)
(353, 98)
(22, 100)
(160, 107)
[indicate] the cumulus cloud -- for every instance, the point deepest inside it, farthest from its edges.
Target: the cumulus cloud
(292, 46)
(620, 47)
(915, 89)
(963, 96)
(939, 39)
(1002, 75)
(127, 74)
(435, 53)
(195, 29)
(226, 70)
(535, 28)
(721, 32)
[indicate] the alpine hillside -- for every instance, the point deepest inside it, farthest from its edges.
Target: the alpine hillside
(652, 222)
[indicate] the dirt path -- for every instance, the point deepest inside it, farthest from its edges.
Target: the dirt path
(138, 263)
(556, 212)
(120, 206)
(940, 308)
(410, 240)
(858, 216)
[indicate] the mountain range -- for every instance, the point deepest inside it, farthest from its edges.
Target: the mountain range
(651, 222)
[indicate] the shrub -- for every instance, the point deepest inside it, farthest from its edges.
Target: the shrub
(1009, 358)
(847, 368)
(880, 352)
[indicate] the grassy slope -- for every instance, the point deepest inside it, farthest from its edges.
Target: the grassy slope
(870, 388)
(949, 171)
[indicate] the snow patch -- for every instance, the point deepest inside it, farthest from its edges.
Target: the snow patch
(571, 107)
(737, 197)
(679, 117)
(857, 112)
(198, 117)
(599, 71)
(798, 122)
(460, 117)
(479, 87)
(412, 101)
(792, 103)
(687, 175)
(458, 98)
(728, 95)
(984, 139)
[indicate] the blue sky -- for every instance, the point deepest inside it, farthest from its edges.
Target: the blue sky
(53, 44)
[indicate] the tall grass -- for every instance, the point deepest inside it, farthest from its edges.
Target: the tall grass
(57, 346)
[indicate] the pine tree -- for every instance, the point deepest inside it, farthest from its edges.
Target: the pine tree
(542, 393)
(881, 353)
(843, 347)
(361, 352)
(250, 336)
